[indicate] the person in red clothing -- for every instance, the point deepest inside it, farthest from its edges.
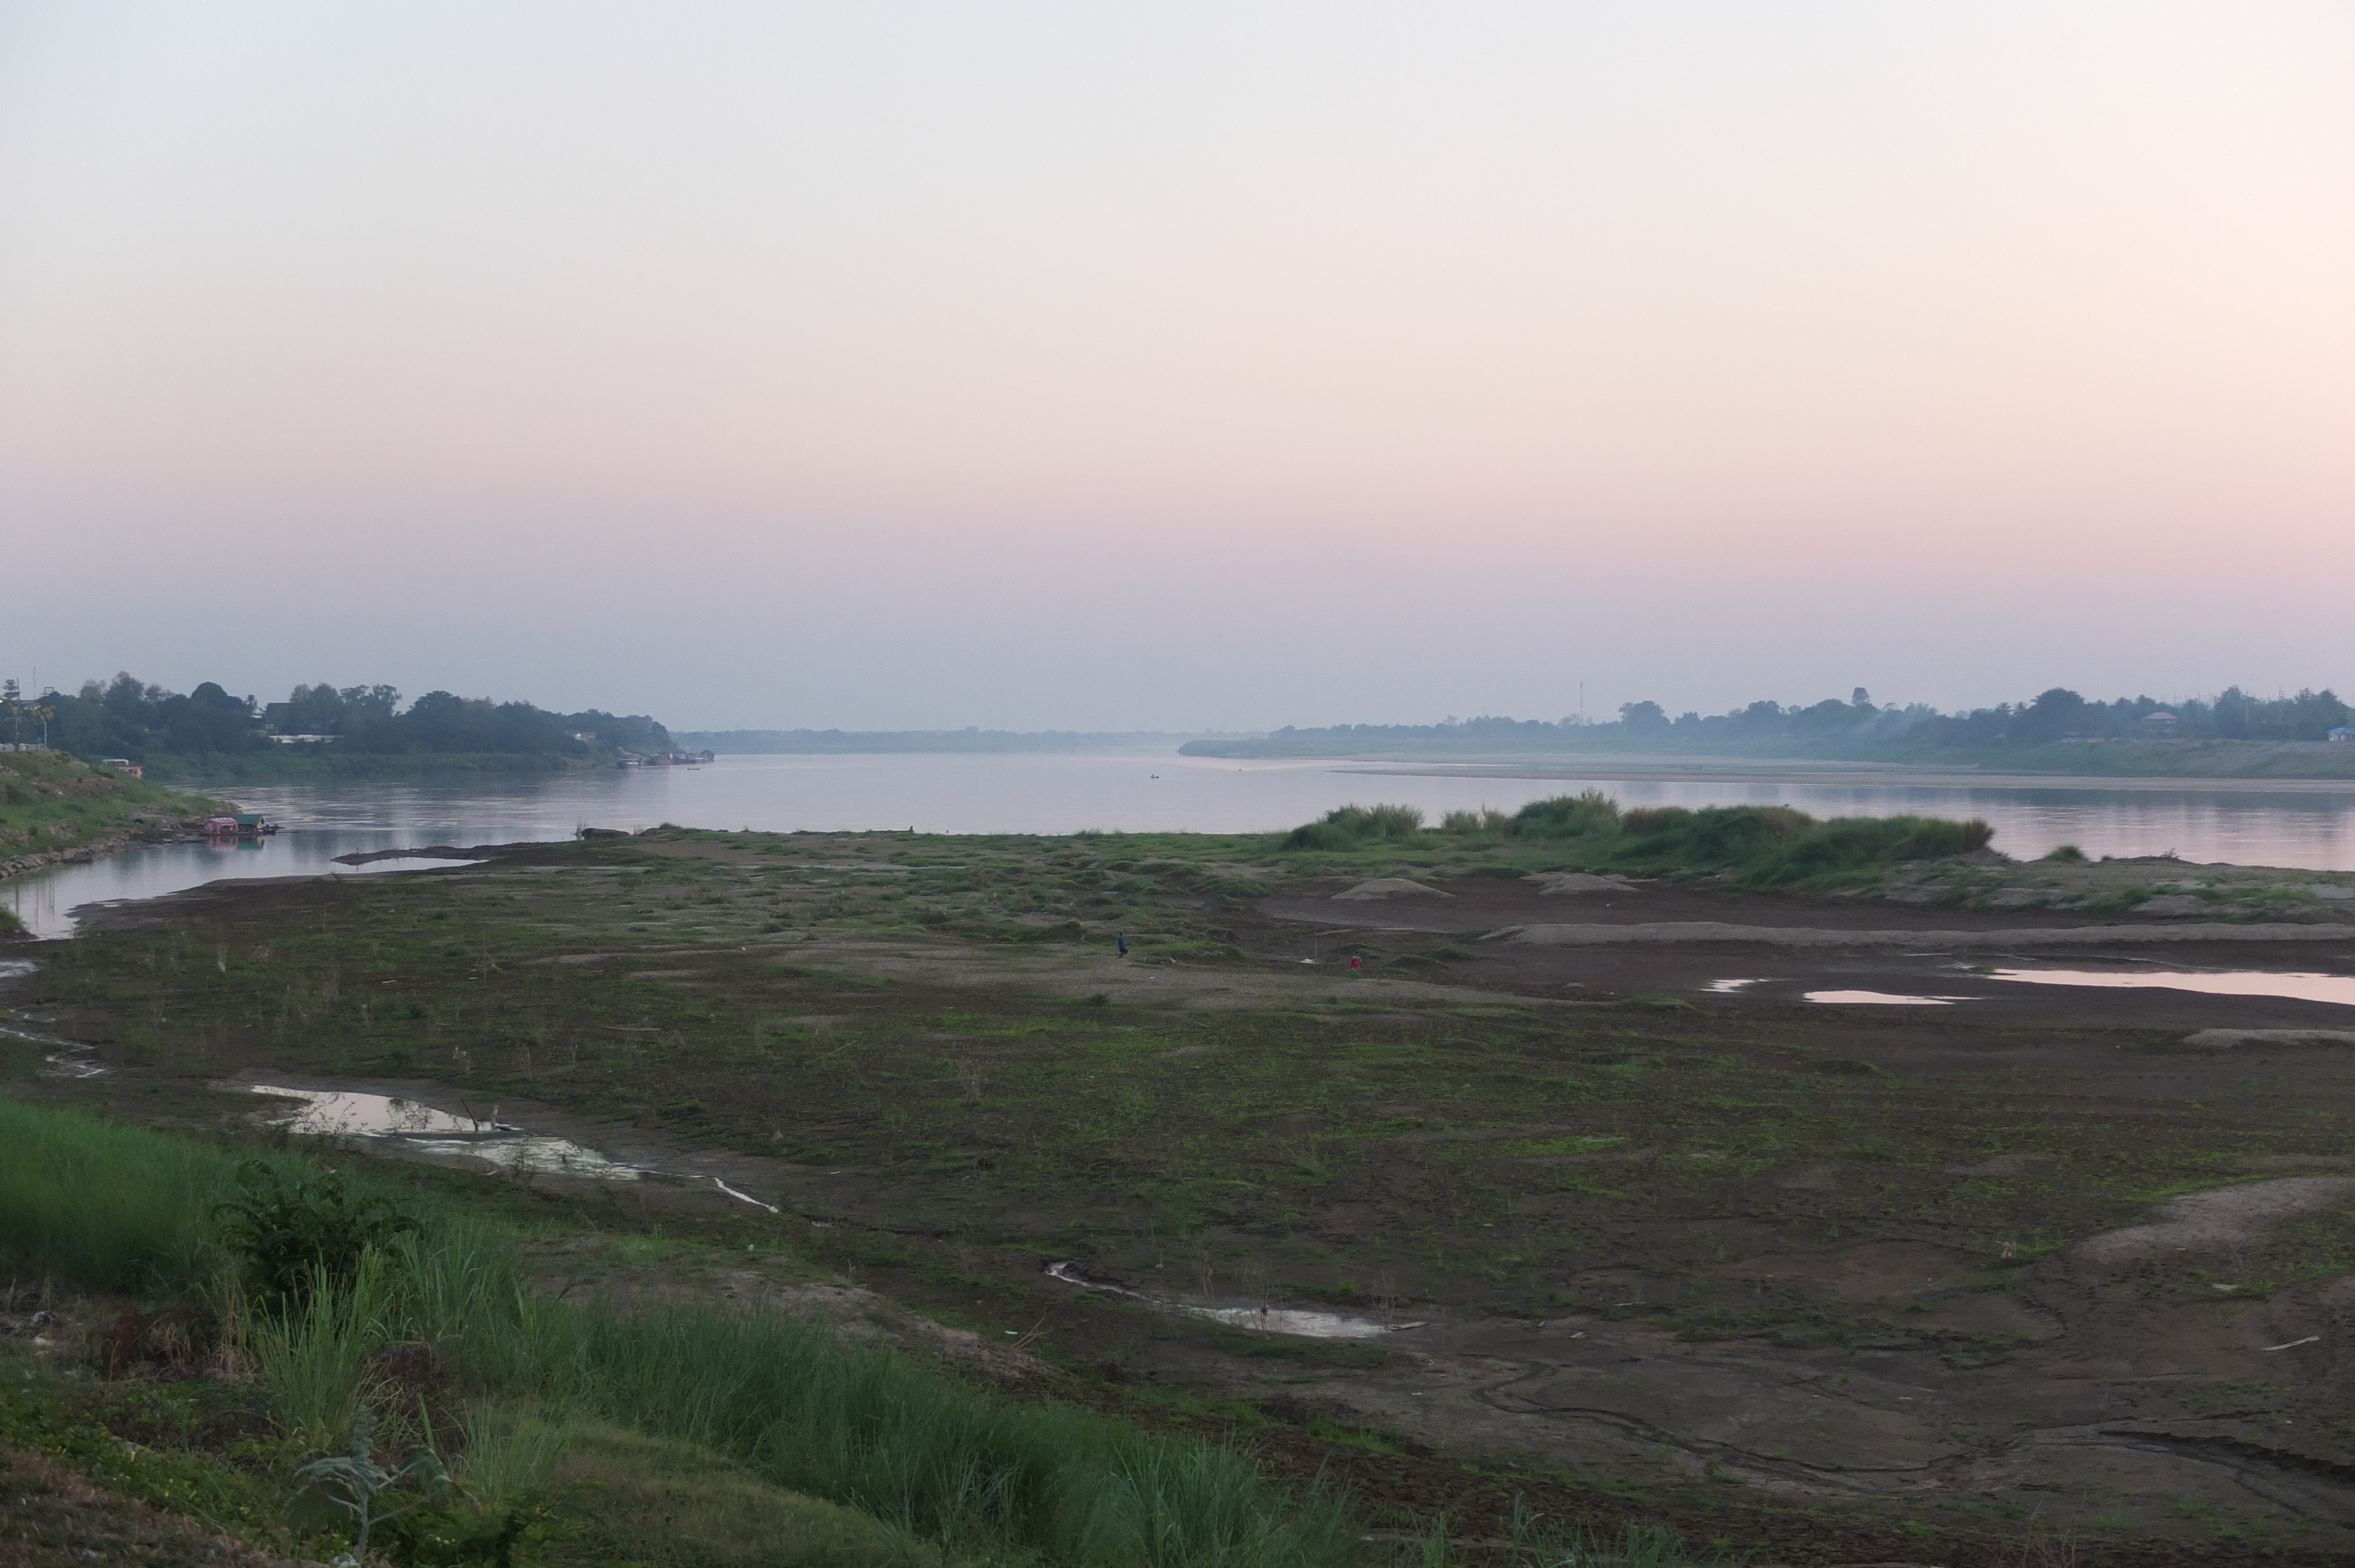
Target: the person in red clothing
(1356, 965)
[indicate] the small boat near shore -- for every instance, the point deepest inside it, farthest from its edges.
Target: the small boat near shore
(243, 825)
(666, 759)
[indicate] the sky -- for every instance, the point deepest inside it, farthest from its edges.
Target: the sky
(1213, 367)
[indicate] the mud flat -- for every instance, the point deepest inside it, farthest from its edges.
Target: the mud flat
(1645, 1233)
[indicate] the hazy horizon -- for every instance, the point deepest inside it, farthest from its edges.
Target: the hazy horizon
(1034, 366)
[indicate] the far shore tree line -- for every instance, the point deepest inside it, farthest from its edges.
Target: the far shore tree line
(1856, 726)
(129, 718)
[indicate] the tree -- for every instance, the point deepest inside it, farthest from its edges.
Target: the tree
(1643, 717)
(2053, 715)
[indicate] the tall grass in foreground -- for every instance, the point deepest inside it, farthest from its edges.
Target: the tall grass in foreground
(118, 1208)
(941, 1458)
(314, 1351)
(115, 1208)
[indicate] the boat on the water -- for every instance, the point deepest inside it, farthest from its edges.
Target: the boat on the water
(666, 759)
(243, 825)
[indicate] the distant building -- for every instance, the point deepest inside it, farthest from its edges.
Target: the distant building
(124, 764)
(302, 739)
(2344, 735)
(2159, 722)
(585, 736)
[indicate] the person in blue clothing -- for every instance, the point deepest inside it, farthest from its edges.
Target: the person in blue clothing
(1124, 946)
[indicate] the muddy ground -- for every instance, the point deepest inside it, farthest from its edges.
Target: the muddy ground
(2038, 1269)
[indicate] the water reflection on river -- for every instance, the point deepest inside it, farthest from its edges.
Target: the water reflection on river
(1138, 791)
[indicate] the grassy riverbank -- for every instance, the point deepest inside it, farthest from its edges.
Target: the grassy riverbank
(49, 801)
(918, 1463)
(52, 804)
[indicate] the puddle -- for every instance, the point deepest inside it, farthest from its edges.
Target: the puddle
(71, 1059)
(335, 1113)
(1300, 1321)
(405, 863)
(341, 1113)
(1882, 998)
(2340, 988)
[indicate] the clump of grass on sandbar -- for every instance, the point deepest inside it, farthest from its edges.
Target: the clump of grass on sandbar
(1755, 846)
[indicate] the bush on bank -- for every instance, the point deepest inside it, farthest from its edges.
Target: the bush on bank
(1754, 846)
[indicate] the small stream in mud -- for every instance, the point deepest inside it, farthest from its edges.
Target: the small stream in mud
(1301, 1321)
(72, 1058)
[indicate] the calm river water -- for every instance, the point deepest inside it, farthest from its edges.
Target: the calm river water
(1136, 792)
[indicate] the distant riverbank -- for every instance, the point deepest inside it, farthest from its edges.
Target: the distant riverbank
(292, 764)
(2177, 760)
(1819, 774)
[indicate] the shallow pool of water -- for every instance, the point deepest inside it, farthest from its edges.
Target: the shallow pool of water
(337, 1113)
(344, 1113)
(2340, 988)
(1881, 998)
(71, 1059)
(1299, 1321)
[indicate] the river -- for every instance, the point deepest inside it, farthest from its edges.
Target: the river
(1148, 791)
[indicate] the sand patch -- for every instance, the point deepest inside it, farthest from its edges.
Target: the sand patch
(2217, 1218)
(1391, 887)
(2171, 903)
(1551, 883)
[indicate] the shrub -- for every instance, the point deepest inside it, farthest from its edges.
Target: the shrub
(1858, 843)
(1646, 821)
(1774, 846)
(2067, 855)
(291, 1236)
(1567, 816)
(1347, 827)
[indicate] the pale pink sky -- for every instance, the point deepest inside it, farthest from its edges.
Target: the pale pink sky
(1211, 365)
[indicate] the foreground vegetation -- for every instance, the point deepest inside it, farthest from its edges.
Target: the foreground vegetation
(936, 1460)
